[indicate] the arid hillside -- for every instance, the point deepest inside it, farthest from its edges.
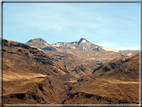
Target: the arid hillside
(75, 65)
(80, 57)
(34, 76)
(115, 82)
(30, 76)
(120, 69)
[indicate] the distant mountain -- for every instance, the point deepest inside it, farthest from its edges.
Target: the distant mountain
(38, 42)
(71, 61)
(80, 57)
(92, 52)
(82, 44)
(41, 44)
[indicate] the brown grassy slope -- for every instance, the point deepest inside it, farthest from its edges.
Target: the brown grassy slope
(120, 68)
(74, 65)
(101, 91)
(30, 76)
(103, 56)
(79, 62)
(109, 88)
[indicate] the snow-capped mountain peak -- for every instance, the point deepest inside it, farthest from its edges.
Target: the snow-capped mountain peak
(82, 40)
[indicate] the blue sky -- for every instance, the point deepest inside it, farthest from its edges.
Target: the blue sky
(111, 25)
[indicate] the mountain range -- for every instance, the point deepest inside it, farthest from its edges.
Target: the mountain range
(82, 44)
(68, 73)
(80, 57)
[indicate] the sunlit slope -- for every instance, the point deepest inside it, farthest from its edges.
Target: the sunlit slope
(115, 82)
(30, 76)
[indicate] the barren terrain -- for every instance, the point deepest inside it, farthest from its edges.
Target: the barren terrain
(35, 75)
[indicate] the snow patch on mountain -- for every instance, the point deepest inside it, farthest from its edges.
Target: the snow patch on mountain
(84, 41)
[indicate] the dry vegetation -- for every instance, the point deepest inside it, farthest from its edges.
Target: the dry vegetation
(33, 76)
(102, 91)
